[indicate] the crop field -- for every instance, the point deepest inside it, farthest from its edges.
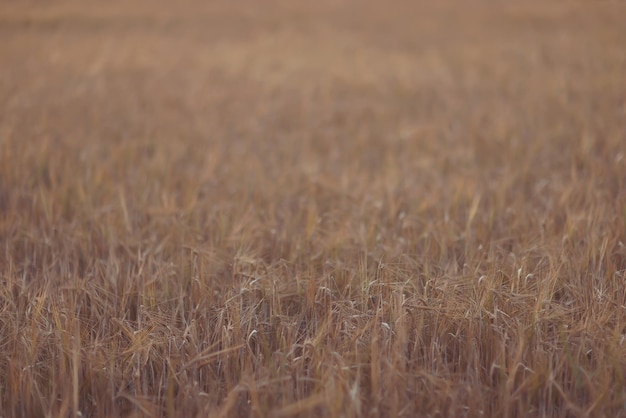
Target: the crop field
(336, 208)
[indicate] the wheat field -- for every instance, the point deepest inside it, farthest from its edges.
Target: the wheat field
(313, 209)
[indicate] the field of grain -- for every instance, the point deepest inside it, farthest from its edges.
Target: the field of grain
(300, 209)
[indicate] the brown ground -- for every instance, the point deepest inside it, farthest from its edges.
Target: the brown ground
(330, 208)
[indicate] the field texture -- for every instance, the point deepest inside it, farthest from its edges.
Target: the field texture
(297, 209)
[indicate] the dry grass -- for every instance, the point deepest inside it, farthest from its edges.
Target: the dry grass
(287, 209)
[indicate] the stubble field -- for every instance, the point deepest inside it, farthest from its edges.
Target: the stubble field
(339, 209)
